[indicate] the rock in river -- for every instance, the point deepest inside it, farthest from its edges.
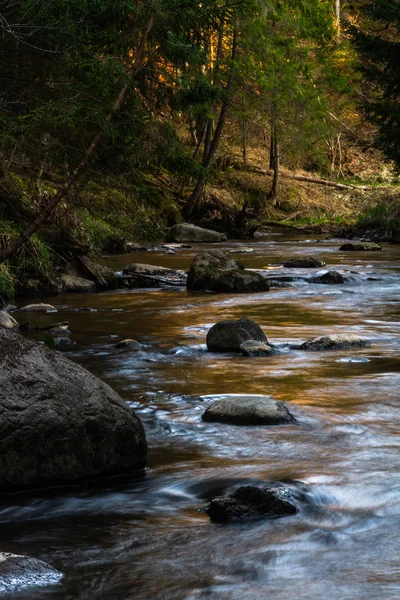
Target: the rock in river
(360, 247)
(129, 344)
(253, 348)
(249, 502)
(46, 308)
(77, 285)
(185, 232)
(334, 342)
(215, 271)
(328, 277)
(7, 321)
(228, 336)
(59, 423)
(248, 410)
(303, 262)
(18, 571)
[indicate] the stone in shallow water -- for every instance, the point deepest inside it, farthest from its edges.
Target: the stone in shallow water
(7, 321)
(328, 277)
(38, 308)
(253, 348)
(248, 410)
(359, 247)
(129, 344)
(18, 571)
(228, 336)
(303, 262)
(334, 342)
(186, 232)
(249, 502)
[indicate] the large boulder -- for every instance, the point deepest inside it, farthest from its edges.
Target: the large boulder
(360, 247)
(248, 410)
(7, 321)
(58, 422)
(215, 271)
(77, 285)
(249, 502)
(185, 232)
(228, 336)
(303, 262)
(103, 276)
(334, 342)
(18, 571)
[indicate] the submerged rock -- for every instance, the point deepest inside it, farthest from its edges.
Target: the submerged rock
(249, 502)
(359, 246)
(328, 277)
(46, 308)
(304, 262)
(129, 344)
(56, 328)
(185, 232)
(253, 348)
(59, 423)
(77, 285)
(213, 270)
(18, 571)
(335, 341)
(228, 336)
(7, 321)
(248, 410)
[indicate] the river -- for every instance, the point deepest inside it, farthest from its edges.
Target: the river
(145, 539)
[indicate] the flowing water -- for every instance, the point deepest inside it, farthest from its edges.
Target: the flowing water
(145, 539)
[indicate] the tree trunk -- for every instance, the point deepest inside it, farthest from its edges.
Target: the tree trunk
(199, 187)
(274, 154)
(71, 180)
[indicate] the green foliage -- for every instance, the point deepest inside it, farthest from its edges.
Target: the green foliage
(384, 215)
(7, 282)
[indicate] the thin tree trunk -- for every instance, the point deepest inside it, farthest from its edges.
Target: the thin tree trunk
(69, 182)
(274, 154)
(199, 187)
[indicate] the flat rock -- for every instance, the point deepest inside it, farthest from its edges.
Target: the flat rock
(335, 341)
(59, 423)
(129, 344)
(304, 262)
(253, 348)
(18, 571)
(228, 336)
(143, 269)
(215, 271)
(44, 308)
(328, 278)
(248, 410)
(360, 247)
(185, 232)
(77, 285)
(249, 502)
(7, 321)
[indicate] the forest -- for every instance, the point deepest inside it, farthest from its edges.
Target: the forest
(199, 299)
(119, 119)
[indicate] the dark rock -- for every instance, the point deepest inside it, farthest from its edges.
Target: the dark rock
(328, 277)
(103, 277)
(228, 336)
(185, 232)
(17, 571)
(215, 271)
(248, 410)
(304, 262)
(360, 247)
(56, 328)
(143, 269)
(253, 348)
(46, 308)
(77, 285)
(7, 321)
(62, 342)
(59, 423)
(334, 342)
(129, 344)
(249, 502)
